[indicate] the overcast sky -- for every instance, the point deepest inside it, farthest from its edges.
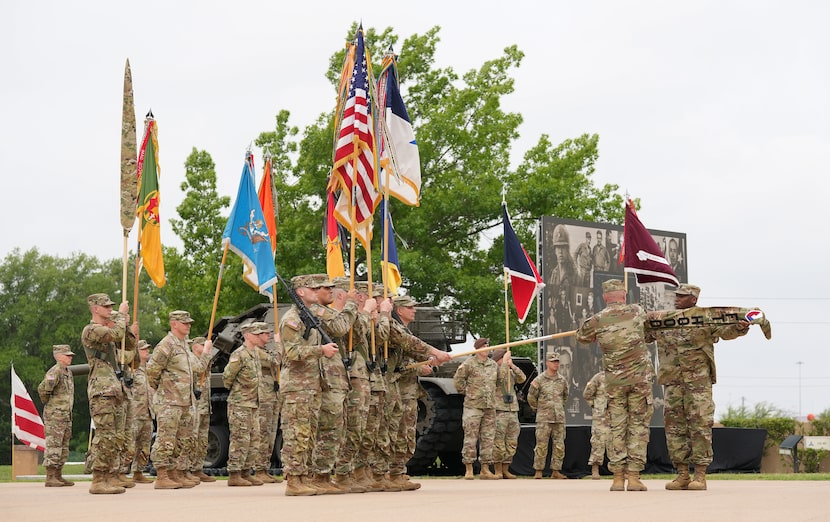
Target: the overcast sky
(715, 114)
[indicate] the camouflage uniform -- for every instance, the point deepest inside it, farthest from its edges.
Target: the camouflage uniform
(170, 373)
(597, 397)
(269, 407)
(619, 330)
(331, 425)
(687, 372)
(358, 398)
(57, 392)
(142, 416)
(476, 380)
(408, 389)
(127, 441)
(507, 414)
(375, 433)
(193, 458)
(105, 391)
(242, 377)
(547, 396)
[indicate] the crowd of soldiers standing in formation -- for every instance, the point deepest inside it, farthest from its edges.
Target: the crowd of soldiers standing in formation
(348, 426)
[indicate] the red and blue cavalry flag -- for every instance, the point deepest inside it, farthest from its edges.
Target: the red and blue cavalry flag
(640, 253)
(525, 280)
(247, 235)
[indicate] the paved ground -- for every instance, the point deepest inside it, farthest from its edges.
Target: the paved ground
(437, 500)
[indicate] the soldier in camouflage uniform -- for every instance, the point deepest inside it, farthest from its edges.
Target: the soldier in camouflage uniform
(547, 396)
(102, 340)
(57, 393)
(200, 352)
(687, 372)
(242, 377)
(300, 388)
(476, 380)
(507, 412)
(597, 398)
(170, 373)
(126, 442)
(142, 416)
(620, 331)
(269, 408)
(331, 425)
(358, 398)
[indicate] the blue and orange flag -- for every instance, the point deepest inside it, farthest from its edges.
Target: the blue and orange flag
(247, 235)
(149, 231)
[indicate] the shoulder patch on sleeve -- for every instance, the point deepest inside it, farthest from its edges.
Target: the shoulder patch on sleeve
(294, 325)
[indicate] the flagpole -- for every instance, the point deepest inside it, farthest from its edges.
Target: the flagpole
(218, 286)
(11, 425)
(500, 346)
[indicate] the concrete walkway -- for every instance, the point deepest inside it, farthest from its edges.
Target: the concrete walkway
(438, 500)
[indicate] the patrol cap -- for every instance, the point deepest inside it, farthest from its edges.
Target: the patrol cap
(499, 354)
(404, 301)
(320, 281)
(341, 282)
(143, 345)
(553, 355)
(687, 289)
(377, 289)
(198, 340)
(62, 349)
(256, 327)
(613, 285)
(362, 287)
(480, 342)
(181, 316)
(100, 300)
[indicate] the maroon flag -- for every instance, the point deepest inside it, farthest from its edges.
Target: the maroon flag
(640, 252)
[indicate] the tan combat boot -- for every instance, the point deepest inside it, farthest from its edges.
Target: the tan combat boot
(100, 486)
(310, 482)
(189, 476)
(468, 475)
(163, 480)
(246, 475)
(404, 482)
(505, 471)
(202, 476)
(557, 474)
(486, 474)
(619, 481)
(537, 474)
(594, 471)
(59, 476)
(296, 488)
(178, 476)
(387, 484)
(116, 480)
(699, 481)
(348, 483)
(634, 483)
(263, 476)
(681, 482)
(51, 478)
(235, 479)
(141, 478)
(324, 480)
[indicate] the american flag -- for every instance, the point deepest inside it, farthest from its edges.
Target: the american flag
(354, 157)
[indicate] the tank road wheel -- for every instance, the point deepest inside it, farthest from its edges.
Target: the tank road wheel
(439, 433)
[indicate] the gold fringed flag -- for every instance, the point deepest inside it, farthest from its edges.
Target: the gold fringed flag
(149, 237)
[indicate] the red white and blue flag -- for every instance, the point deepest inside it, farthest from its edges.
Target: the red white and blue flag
(27, 425)
(640, 252)
(525, 280)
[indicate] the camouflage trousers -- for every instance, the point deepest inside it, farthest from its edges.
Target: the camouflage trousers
(373, 431)
(384, 454)
(142, 437)
(58, 428)
(479, 428)
(108, 416)
(357, 410)
(549, 433)
(629, 411)
(174, 430)
(331, 428)
(298, 421)
(244, 446)
(689, 414)
(127, 440)
(269, 418)
(506, 436)
(405, 439)
(600, 435)
(196, 458)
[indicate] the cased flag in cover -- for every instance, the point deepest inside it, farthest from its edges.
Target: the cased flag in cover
(525, 280)
(399, 158)
(149, 235)
(27, 425)
(247, 235)
(640, 253)
(389, 257)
